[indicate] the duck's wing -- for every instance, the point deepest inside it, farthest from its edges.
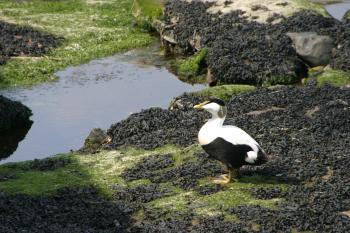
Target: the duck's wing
(237, 136)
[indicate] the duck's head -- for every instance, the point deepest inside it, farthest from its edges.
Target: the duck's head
(215, 106)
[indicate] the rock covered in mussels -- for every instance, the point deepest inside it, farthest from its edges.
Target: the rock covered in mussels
(155, 127)
(244, 49)
(24, 41)
(13, 114)
(14, 125)
(306, 130)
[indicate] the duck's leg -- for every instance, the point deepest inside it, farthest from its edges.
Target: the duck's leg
(224, 178)
(226, 170)
(234, 174)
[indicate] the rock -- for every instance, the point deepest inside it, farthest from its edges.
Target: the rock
(211, 80)
(195, 42)
(313, 49)
(95, 140)
(167, 37)
(14, 125)
(176, 104)
(13, 114)
(10, 139)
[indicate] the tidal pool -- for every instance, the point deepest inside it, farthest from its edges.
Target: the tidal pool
(338, 10)
(91, 95)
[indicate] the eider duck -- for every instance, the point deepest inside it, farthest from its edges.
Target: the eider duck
(229, 144)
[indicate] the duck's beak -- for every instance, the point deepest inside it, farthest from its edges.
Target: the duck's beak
(200, 106)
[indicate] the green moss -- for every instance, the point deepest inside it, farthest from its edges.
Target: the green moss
(101, 170)
(104, 169)
(186, 155)
(238, 193)
(333, 77)
(231, 218)
(190, 67)
(40, 6)
(225, 92)
(347, 15)
(139, 182)
(145, 11)
(90, 31)
(177, 203)
(36, 182)
(280, 80)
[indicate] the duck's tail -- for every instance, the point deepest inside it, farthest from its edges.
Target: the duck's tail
(262, 157)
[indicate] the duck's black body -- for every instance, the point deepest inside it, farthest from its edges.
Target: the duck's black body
(233, 156)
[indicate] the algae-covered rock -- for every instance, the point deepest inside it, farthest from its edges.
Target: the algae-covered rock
(190, 67)
(225, 92)
(332, 77)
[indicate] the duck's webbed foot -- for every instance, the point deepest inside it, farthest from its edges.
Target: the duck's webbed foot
(223, 179)
(232, 176)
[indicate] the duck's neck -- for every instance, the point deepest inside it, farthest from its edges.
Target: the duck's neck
(215, 121)
(210, 130)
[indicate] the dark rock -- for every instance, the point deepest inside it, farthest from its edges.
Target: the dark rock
(314, 49)
(10, 139)
(14, 125)
(13, 114)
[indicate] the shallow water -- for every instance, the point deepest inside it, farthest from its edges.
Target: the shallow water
(95, 94)
(338, 10)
